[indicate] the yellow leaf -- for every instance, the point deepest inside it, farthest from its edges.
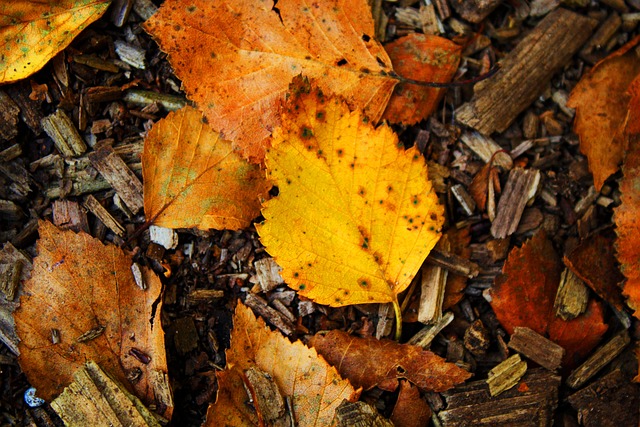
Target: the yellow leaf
(34, 31)
(193, 178)
(356, 215)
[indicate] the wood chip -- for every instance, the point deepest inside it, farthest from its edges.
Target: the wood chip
(68, 215)
(537, 348)
(65, 136)
(572, 296)
(433, 284)
(359, 414)
(487, 149)
(8, 117)
(526, 71)
(522, 186)
(268, 274)
(94, 398)
(506, 375)
(598, 360)
(121, 178)
(10, 278)
(92, 204)
(272, 316)
(595, 50)
(425, 336)
(474, 10)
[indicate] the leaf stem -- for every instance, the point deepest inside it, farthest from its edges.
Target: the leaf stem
(477, 79)
(396, 308)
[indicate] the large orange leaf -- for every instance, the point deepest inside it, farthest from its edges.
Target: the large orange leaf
(356, 214)
(193, 178)
(237, 58)
(425, 58)
(79, 288)
(601, 102)
(316, 389)
(32, 32)
(523, 295)
(369, 362)
(626, 215)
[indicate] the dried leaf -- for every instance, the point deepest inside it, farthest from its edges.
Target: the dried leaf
(252, 50)
(523, 295)
(411, 410)
(193, 178)
(626, 215)
(316, 389)
(35, 31)
(82, 288)
(421, 57)
(594, 262)
(459, 240)
(369, 362)
(356, 215)
(601, 102)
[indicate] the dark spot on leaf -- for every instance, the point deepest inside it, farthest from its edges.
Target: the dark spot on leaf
(296, 274)
(362, 191)
(415, 200)
(306, 133)
(381, 62)
(177, 27)
(364, 282)
(401, 370)
(320, 115)
(191, 9)
(389, 189)
(341, 62)
(433, 216)
(302, 286)
(204, 120)
(339, 152)
(366, 38)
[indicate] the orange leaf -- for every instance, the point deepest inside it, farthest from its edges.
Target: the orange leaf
(425, 58)
(79, 285)
(33, 31)
(356, 215)
(369, 362)
(523, 295)
(410, 410)
(601, 102)
(594, 262)
(626, 215)
(316, 389)
(237, 58)
(193, 178)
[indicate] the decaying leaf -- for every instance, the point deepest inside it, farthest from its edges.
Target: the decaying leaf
(601, 102)
(356, 214)
(193, 178)
(410, 410)
(237, 58)
(84, 292)
(459, 240)
(523, 295)
(33, 32)
(626, 215)
(594, 262)
(425, 58)
(315, 388)
(369, 362)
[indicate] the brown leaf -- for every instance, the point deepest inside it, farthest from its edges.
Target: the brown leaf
(459, 240)
(601, 102)
(411, 410)
(595, 263)
(523, 295)
(237, 58)
(368, 362)
(86, 292)
(421, 57)
(193, 178)
(626, 215)
(316, 388)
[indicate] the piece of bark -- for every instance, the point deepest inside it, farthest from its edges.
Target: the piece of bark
(537, 348)
(268, 274)
(130, 54)
(487, 149)
(20, 179)
(464, 198)
(572, 296)
(94, 398)
(266, 397)
(120, 11)
(598, 360)
(272, 316)
(10, 153)
(30, 111)
(122, 179)
(26, 235)
(433, 284)
(9, 112)
(424, 337)
(442, 6)
(144, 8)
(10, 211)
(64, 134)
(359, 414)
(10, 278)
(94, 206)
(522, 186)
(474, 10)
(595, 50)
(532, 403)
(526, 71)
(612, 401)
(453, 263)
(385, 320)
(9, 255)
(98, 94)
(477, 338)
(506, 375)
(68, 214)
(204, 296)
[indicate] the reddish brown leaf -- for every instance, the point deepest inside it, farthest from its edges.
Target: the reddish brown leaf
(523, 295)
(459, 241)
(595, 263)
(368, 362)
(421, 57)
(626, 215)
(79, 285)
(601, 102)
(411, 410)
